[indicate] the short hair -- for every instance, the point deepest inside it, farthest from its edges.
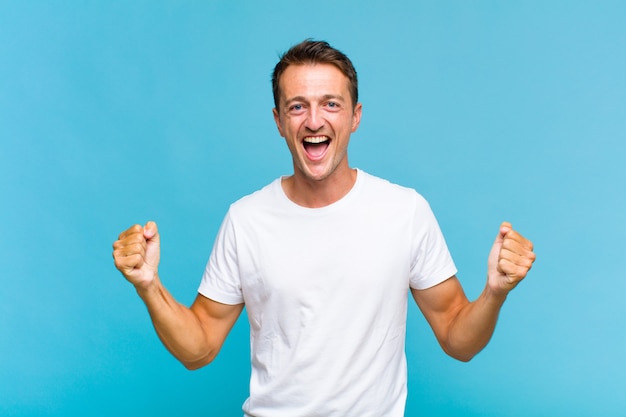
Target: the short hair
(315, 52)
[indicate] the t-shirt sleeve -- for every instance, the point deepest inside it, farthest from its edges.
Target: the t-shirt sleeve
(432, 262)
(221, 280)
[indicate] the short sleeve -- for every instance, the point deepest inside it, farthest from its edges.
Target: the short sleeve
(221, 280)
(431, 262)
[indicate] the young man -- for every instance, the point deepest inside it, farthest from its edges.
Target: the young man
(324, 260)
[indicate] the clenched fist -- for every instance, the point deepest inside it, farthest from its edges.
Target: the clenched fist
(136, 253)
(510, 259)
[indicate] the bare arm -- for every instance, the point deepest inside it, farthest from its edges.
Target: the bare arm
(462, 328)
(193, 335)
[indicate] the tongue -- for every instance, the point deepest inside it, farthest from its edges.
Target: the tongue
(316, 149)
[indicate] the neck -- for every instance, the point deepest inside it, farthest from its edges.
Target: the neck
(311, 193)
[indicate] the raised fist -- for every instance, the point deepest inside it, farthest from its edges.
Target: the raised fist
(136, 253)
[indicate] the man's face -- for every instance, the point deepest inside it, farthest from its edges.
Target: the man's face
(316, 118)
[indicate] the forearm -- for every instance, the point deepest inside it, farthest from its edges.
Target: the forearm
(462, 328)
(179, 329)
(474, 325)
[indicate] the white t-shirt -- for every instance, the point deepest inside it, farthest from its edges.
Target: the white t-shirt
(326, 293)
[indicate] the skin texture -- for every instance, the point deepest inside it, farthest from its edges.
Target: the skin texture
(462, 328)
(193, 335)
(315, 102)
(315, 106)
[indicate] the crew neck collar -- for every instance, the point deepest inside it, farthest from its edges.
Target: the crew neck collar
(332, 206)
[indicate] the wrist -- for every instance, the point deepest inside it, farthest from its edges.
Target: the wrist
(147, 289)
(495, 295)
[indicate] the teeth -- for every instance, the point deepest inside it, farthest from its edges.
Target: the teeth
(315, 139)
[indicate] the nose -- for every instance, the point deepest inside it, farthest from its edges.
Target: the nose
(314, 121)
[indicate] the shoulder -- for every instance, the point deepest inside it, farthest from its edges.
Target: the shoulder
(382, 189)
(262, 197)
(258, 207)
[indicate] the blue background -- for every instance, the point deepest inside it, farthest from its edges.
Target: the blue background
(114, 113)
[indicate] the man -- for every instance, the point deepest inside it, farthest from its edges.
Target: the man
(323, 260)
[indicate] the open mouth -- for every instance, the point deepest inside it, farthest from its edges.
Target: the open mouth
(316, 146)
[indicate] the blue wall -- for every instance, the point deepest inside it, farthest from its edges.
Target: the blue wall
(114, 113)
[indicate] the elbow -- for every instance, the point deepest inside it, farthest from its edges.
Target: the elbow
(193, 364)
(461, 355)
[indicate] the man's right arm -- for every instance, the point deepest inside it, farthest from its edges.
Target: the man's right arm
(193, 335)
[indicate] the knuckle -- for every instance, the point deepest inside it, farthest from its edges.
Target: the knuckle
(503, 264)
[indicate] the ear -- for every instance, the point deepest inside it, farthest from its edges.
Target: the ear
(277, 121)
(356, 117)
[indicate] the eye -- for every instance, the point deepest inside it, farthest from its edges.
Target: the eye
(333, 105)
(295, 108)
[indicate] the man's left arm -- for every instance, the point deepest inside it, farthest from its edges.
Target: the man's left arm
(464, 328)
